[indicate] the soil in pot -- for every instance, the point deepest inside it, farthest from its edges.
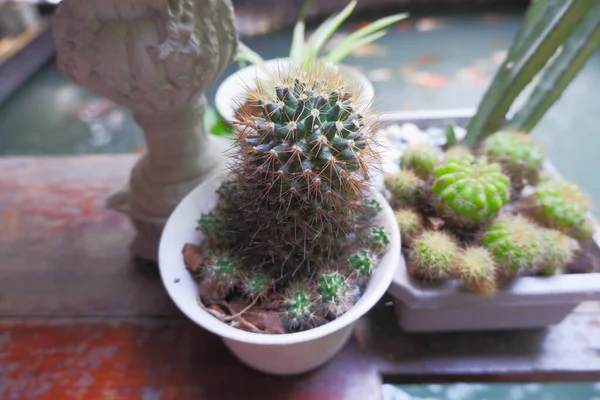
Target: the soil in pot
(489, 216)
(293, 241)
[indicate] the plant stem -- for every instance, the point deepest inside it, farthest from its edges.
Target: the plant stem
(575, 53)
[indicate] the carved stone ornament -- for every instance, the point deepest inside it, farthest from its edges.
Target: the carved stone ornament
(157, 58)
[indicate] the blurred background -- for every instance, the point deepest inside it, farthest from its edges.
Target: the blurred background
(441, 58)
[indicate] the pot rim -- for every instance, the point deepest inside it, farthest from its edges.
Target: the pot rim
(226, 96)
(171, 264)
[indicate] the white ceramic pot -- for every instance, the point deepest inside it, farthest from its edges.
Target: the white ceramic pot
(283, 354)
(230, 94)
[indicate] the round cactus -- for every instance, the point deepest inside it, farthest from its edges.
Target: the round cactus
(477, 271)
(255, 285)
(420, 159)
(410, 224)
(433, 256)
(405, 186)
(212, 225)
(469, 191)
(558, 250)
(561, 205)
(377, 238)
(336, 292)
(300, 304)
(515, 244)
(363, 263)
(521, 158)
(585, 231)
(457, 152)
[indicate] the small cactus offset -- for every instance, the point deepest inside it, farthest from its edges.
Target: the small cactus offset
(477, 270)
(336, 293)
(558, 250)
(420, 159)
(301, 306)
(561, 205)
(520, 157)
(469, 191)
(410, 223)
(433, 256)
(405, 187)
(515, 243)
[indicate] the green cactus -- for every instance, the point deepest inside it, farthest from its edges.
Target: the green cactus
(585, 231)
(515, 243)
(518, 154)
(410, 224)
(372, 209)
(477, 271)
(420, 159)
(405, 186)
(457, 152)
(363, 263)
(378, 238)
(561, 205)
(433, 256)
(211, 224)
(301, 306)
(336, 292)
(558, 250)
(255, 285)
(469, 191)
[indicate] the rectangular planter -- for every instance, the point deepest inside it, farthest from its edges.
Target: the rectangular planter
(530, 302)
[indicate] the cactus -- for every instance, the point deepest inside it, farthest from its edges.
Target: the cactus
(405, 186)
(301, 307)
(457, 152)
(476, 269)
(410, 224)
(520, 157)
(337, 293)
(558, 250)
(514, 242)
(433, 256)
(420, 159)
(560, 205)
(255, 285)
(469, 191)
(362, 263)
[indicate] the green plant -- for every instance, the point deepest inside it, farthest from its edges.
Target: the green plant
(555, 41)
(520, 156)
(420, 159)
(477, 270)
(306, 52)
(558, 250)
(469, 191)
(296, 209)
(433, 256)
(515, 243)
(405, 187)
(410, 223)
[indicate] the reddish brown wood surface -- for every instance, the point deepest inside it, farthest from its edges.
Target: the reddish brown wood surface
(80, 320)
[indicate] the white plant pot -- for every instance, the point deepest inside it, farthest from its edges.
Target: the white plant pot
(530, 302)
(282, 354)
(231, 93)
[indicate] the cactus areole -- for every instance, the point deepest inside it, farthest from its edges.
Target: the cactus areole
(296, 210)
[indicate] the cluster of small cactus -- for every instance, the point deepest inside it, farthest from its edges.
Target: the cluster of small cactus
(486, 216)
(297, 213)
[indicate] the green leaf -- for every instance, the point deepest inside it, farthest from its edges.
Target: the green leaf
(343, 50)
(297, 48)
(576, 51)
(244, 53)
(325, 31)
(450, 136)
(529, 55)
(374, 27)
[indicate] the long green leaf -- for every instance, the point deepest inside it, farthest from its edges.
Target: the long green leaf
(325, 31)
(373, 27)
(297, 48)
(576, 51)
(342, 51)
(548, 34)
(246, 54)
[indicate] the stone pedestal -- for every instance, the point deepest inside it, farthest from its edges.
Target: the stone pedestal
(157, 58)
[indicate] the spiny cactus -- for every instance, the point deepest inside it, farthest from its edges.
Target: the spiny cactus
(560, 205)
(405, 186)
(433, 256)
(457, 152)
(337, 293)
(362, 263)
(476, 269)
(255, 285)
(301, 307)
(420, 159)
(558, 250)
(518, 154)
(469, 191)
(410, 223)
(514, 242)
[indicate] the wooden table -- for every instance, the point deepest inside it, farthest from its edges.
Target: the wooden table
(80, 320)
